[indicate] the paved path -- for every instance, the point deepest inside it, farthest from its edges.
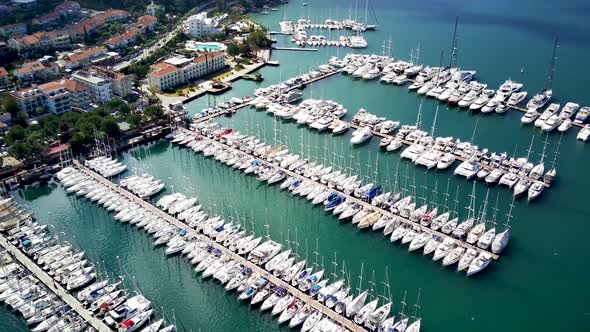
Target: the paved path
(54, 286)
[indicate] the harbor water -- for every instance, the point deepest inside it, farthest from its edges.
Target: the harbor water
(542, 272)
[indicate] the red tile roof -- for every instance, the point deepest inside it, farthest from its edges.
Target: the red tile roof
(50, 86)
(29, 67)
(146, 20)
(57, 149)
(3, 72)
(81, 56)
(162, 68)
(72, 85)
(207, 56)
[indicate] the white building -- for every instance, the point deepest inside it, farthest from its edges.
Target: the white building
(100, 88)
(199, 25)
(179, 70)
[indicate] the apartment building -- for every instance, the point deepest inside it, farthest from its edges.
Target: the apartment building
(178, 70)
(100, 88)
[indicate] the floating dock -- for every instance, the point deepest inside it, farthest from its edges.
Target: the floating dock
(351, 326)
(54, 286)
(350, 198)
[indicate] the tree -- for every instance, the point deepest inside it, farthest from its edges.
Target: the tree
(153, 112)
(258, 39)
(15, 134)
(110, 127)
(77, 142)
(20, 118)
(10, 105)
(19, 150)
(39, 111)
(134, 120)
(232, 50)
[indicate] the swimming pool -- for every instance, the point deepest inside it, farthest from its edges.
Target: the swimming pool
(200, 46)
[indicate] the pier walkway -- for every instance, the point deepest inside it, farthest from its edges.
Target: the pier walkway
(351, 326)
(350, 198)
(54, 286)
(244, 105)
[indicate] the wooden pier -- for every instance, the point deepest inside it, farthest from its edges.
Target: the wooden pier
(339, 319)
(54, 286)
(350, 198)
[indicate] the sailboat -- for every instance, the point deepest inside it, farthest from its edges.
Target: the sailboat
(415, 326)
(501, 240)
(541, 98)
(401, 324)
(380, 314)
(359, 301)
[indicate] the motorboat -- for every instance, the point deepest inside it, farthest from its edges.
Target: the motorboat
(468, 168)
(565, 125)
(361, 135)
(539, 100)
(530, 116)
(551, 123)
(584, 133)
(582, 115)
(517, 98)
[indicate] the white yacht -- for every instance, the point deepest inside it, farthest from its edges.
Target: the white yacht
(582, 115)
(479, 264)
(517, 98)
(530, 116)
(551, 123)
(361, 135)
(468, 168)
(549, 111)
(584, 133)
(540, 99)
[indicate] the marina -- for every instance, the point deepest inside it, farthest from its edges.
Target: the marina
(507, 43)
(50, 284)
(349, 198)
(71, 276)
(519, 174)
(215, 243)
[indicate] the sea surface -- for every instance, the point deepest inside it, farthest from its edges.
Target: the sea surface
(539, 283)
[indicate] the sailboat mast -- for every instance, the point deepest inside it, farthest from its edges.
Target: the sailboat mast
(553, 65)
(453, 60)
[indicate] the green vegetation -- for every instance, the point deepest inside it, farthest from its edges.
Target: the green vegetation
(77, 129)
(142, 68)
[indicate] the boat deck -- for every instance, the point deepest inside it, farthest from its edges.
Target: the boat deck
(350, 198)
(54, 286)
(351, 326)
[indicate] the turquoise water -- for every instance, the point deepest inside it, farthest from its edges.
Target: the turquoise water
(207, 47)
(542, 273)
